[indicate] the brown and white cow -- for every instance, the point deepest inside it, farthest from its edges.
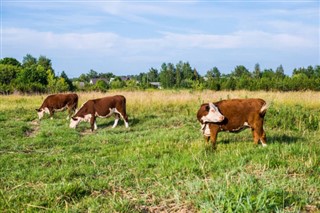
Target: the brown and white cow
(58, 102)
(101, 107)
(233, 115)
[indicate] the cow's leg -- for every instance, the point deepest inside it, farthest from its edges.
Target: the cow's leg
(93, 123)
(207, 138)
(263, 138)
(213, 135)
(51, 113)
(69, 112)
(259, 134)
(116, 115)
(124, 116)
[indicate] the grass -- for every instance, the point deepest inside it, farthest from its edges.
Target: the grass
(160, 163)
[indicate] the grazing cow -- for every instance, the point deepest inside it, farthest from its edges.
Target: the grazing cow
(101, 107)
(233, 115)
(58, 102)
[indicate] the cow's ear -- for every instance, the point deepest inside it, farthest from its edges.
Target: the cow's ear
(38, 110)
(73, 118)
(211, 105)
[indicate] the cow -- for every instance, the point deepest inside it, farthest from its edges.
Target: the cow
(58, 102)
(233, 115)
(101, 107)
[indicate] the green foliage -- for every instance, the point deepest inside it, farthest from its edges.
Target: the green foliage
(101, 86)
(117, 84)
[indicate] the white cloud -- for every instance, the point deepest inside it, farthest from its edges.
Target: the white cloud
(111, 43)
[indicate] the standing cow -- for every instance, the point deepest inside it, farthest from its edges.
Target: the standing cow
(58, 102)
(102, 107)
(233, 115)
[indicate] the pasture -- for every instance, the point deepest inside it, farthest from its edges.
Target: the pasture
(161, 162)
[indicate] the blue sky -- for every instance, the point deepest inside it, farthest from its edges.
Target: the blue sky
(130, 37)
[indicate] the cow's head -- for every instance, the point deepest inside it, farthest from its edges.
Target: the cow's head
(212, 114)
(75, 120)
(41, 112)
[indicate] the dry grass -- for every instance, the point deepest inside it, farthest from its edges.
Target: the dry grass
(142, 98)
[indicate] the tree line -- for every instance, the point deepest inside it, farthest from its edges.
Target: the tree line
(36, 75)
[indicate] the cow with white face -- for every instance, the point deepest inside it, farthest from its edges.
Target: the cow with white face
(233, 115)
(58, 102)
(212, 114)
(101, 107)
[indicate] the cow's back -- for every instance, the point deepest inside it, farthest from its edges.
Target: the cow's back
(59, 100)
(239, 111)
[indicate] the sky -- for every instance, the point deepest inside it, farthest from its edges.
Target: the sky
(130, 37)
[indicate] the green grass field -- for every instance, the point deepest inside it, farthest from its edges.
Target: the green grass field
(160, 163)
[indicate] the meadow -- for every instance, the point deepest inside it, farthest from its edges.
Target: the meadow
(161, 162)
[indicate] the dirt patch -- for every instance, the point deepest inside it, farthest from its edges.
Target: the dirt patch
(152, 205)
(35, 126)
(86, 132)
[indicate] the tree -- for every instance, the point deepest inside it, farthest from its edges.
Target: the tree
(167, 75)
(213, 73)
(29, 61)
(213, 79)
(117, 83)
(187, 71)
(153, 75)
(10, 61)
(92, 74)
(8, 74)
(257, 72)
(67, 80)
(101, 86)
(280, 72)
(45, 63)
(240, 71)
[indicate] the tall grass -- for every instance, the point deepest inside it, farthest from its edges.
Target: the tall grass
(161, 162)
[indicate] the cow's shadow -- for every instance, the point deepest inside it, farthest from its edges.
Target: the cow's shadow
(271, 139)
(133, 121)
(282, 139)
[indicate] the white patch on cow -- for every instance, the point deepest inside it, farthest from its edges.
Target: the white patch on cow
(62, 109)
(246, 124)
(214, 114)
(74, 123)
(46, 110)
(264, 144)
(106, 116)
(205, 129)
(115, 122)
(117, 119)
(87, 117)
(40, 114)
(95, 126)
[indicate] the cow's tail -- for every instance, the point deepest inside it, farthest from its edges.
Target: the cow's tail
(263, 109)
(124, 104)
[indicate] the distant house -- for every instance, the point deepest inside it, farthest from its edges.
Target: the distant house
(81, 84)
(156, 85)
(95, 80)
(125, 78)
